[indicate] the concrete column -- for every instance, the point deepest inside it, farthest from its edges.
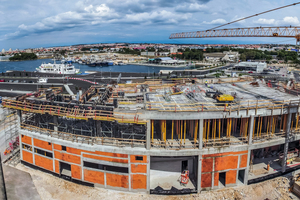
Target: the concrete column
(148, 174)
(286, 145)
(200, 134)
(250, 136)
(148, 135)
(55, 121)
(199, 172)
(250, 130)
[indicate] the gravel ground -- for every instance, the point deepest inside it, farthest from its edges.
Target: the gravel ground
(50, 187)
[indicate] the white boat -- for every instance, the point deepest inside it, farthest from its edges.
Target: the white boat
(57, 68)
(42, 80)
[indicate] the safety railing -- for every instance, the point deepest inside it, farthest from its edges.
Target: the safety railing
(75, 112)
(228, 107)
(119, 142)
(225, 141)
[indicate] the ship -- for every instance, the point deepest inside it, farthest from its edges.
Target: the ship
(57, 68)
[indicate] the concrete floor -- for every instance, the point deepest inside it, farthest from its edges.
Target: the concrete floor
(19, 184)
(166, 180)
(259, 168)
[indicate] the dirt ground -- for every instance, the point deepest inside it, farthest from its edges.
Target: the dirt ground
(50, 187)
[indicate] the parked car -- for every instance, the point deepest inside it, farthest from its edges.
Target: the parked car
(250, 72)
(11, 81)
(2, 80)
(16, 81)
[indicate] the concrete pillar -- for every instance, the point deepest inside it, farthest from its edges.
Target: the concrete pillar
(286, 145)
(250, 136)
(148, 135)
(148, 174)
(200, 134)
(199, 172)
(55, 121)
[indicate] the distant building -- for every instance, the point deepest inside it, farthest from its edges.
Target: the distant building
(147, 53)
(3, 50)
(251, 66)
(173, 50)
(29, 50)
(227, 56)
(10, 50)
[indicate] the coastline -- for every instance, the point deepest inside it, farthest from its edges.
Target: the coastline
(156, 65)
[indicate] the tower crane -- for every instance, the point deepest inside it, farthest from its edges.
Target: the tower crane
(280, 31)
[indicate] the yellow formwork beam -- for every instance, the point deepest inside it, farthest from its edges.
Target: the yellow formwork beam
(208, 127)
(184, 130)
(152, 129)
(196, 130)
(172, 128)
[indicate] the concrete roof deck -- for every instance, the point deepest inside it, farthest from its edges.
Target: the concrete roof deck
(246, 95)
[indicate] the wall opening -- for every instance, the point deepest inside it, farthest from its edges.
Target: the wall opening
(222, 178)
(165, 174)
(241, 176)
(184, 165)
(65, 169)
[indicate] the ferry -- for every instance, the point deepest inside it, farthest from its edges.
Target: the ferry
(57, 68)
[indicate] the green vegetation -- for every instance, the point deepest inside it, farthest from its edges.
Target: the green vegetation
(130, 51)
(23, 56)
(193, 54)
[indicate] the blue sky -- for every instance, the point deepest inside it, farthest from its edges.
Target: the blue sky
(43, 23)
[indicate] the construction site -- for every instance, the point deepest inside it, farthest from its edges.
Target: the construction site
(176, 136)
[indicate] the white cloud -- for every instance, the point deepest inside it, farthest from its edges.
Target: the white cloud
(216, 21)
(265, 21)
(291, 21)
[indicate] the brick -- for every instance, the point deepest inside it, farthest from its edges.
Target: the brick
(116, 180)
(135, 168)
(207, 165)
(57, 170)
(216, 179)
(27, 156)
(94, 176)
(57, 147)
(206, 180)
(230, 177)
(243, 162)
(42, 144)
(226, 162)
(67, 157)
(138, 181)
(43, 162)
(76, 171)
(105, 158)
(25, 139)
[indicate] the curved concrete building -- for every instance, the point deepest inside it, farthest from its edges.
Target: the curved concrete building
(142, 136)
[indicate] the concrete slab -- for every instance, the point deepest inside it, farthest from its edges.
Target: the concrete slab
(19, 185)
(167, 179)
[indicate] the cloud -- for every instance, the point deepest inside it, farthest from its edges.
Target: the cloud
(291, 20)
(192, 7)
(265, 21)
(216, 22)
(286, 21)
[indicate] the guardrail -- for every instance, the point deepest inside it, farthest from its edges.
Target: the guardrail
(75, 112)
(120, 142)
(226, 107)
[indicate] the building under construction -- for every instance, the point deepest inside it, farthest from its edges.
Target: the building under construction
(162, 137)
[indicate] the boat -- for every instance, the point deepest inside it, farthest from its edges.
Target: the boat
(57, 68)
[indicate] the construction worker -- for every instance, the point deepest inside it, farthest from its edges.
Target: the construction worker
(206, 83)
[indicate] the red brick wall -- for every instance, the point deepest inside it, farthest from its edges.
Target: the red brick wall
(42, 144)
(94, 176)
(230, 177)
(76, 171)
(135, 168)
(25, 139)
(116, 180)
(67, 157)
(138, 181)
(43, 162)
(206, 180)
(27, 156)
